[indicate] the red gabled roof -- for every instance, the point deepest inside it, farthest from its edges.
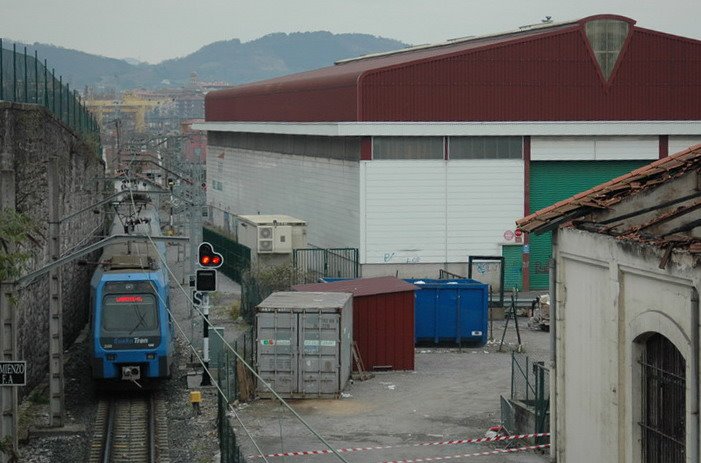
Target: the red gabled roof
(543, 73)
(361, 286)
(607, 194)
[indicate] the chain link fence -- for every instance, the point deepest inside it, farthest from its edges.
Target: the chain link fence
(237, 384)
(25, 79)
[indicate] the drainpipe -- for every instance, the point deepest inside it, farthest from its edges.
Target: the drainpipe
(553, 347)
(694, 386)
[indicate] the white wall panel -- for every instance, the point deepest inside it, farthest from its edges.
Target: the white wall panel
(404, 216)
(562, 148)
(593, 148)
(624, 148)
(485, 197)
(323, 192)
(437, 211)
(677, 144)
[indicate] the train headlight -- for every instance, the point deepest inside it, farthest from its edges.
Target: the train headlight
(151, 356)
(111, 357)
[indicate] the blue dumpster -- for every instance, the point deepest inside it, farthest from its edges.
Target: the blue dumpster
(450, 311)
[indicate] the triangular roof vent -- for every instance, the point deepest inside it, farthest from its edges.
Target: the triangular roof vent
(606, 38)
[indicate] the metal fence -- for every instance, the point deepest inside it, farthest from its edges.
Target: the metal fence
(446, 275)
(237, 257)
(24, 79)
(530, 385)
(231, 380)
(315, 263)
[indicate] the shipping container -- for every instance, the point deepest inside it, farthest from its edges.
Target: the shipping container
(304, 343)
(451, 311)
(383, 319)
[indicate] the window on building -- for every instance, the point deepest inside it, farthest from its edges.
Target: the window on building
(217, 185)
(407, 148)
(485, 148)
(606, 38)
(663, 402)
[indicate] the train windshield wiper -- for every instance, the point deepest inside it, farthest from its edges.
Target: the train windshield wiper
(141, 322)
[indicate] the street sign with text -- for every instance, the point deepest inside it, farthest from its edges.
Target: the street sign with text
(13, 373)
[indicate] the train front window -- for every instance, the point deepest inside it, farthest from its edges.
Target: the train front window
(128, 314)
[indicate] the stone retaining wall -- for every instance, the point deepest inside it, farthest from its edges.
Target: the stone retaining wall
(30, 135)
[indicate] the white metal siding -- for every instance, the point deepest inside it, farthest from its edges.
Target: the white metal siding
(593, 148)
(323, 192)
(437, 211)
(485, 197)
(677, 144)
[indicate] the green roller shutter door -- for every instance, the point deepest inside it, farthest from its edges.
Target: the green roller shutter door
(553, 181)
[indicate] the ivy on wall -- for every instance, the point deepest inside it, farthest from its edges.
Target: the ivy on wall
(16, 229)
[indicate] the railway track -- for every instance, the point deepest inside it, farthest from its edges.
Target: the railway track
(130, 428)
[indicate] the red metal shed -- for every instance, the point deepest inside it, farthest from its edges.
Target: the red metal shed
(383, 319)
(547, 73)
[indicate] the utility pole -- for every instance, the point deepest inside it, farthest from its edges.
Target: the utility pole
(56, 391)
(8, 320)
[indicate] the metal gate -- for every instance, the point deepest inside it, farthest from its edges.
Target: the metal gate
(314, 263)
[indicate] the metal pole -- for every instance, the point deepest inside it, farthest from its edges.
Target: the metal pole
(26, 78)
(60, 98)
(14, 72)
(46, 86)
(2, 82)
(53, 91)
(68, 104)
(56, 391)
(206, 380)
(36, 77)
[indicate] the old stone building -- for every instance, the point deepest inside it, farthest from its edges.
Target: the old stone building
(626, 281)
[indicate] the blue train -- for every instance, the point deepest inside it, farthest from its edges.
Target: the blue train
(130, 329)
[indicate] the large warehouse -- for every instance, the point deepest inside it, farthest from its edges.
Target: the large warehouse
(425, 156)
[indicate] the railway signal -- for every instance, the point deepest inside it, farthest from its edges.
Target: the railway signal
(207, 257)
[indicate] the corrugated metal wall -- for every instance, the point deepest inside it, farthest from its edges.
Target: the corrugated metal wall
(550, 78)
(437, 211)
(323, 192)
(383, 327)
(552, 181)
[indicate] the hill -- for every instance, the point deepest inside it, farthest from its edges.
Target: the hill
(229, 61)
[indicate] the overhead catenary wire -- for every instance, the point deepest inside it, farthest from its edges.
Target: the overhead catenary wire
(189, 342)
(238, 356)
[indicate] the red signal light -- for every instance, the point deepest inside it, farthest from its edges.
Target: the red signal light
(208, 257)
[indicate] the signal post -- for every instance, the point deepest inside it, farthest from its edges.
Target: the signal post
(206, 281)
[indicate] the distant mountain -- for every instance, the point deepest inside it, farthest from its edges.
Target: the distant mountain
(229, 61)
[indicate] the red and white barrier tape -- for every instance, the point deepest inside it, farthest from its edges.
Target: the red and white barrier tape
(385, 447)
(476, 454)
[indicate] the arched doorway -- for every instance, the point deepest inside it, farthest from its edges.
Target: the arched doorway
(663, 417)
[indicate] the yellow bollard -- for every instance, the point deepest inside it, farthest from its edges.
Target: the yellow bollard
(195, 399)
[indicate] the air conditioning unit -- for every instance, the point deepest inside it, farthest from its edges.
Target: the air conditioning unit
(283, 239)
(265, 240)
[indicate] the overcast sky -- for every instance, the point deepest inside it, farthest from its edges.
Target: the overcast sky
(154, 30)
